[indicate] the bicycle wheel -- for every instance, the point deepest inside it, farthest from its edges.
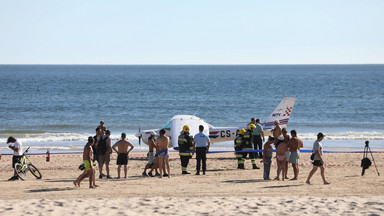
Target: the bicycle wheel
(34, 171)
(20, 171)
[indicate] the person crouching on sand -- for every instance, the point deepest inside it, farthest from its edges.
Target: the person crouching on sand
(122, 154)
(88, 164)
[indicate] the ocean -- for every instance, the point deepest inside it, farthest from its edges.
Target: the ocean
(57, 107)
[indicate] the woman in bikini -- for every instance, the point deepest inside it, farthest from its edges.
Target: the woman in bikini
(281, 147)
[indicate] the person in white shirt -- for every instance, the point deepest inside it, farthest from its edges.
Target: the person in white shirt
(17, 148)
(318, 160)
(201, 144)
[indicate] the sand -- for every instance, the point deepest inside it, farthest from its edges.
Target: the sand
(224, 190)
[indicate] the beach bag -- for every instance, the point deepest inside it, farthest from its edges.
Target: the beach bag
(313, 156)
(102, 146)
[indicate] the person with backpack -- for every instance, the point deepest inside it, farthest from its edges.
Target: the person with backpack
(104, 151)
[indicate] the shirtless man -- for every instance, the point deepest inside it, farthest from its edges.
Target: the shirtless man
(295, 143)
(122, 154)
(281, 147)
(102, 126)
(162, 145)
(276, 130)
(151, 155)
(88, 164)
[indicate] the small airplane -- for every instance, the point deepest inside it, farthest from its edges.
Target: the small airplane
(218, 134)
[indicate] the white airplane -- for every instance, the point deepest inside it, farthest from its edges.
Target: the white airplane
(218, 134)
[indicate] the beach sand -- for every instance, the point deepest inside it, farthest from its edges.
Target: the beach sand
(224, 190)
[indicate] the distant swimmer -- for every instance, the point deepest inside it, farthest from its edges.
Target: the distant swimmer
(88, 164)
(185, 148)
(163, 155)
(122, 154)
(318, 160)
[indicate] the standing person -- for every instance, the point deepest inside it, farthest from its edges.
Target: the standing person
(122, 154)
(162, 144)
(294, 145)
(185, 148)
(88, 164)
(318, 160)
(248, 145)
(281, 148)
(267, 157)
(151, 155)
(201, 144)
(258, 138)
(239, 145)
(102, 126)
(104, 148)
(287, 153)
(17, 148)
(276, 130)
(96, 138)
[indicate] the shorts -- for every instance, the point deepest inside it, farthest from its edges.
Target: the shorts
(317, 163)
(151, 158)
(15, 159)
(88, 166)
(163, 153)
(104, 159)
(294, 158)
(287, 155)
(122, 159)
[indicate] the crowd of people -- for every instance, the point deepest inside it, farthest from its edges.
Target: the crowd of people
(248, 143)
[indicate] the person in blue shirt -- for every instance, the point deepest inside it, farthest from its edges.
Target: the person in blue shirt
(201, 144)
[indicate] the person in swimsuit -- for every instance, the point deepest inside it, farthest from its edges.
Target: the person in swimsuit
(163, 155)
(294, 145)
(281, 148)
(287, 153)
(151, 155)
(122, 154)
(88, 164)
(267, 157)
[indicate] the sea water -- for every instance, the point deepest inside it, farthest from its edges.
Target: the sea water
(58, 106)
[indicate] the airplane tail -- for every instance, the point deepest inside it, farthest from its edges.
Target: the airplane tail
(282, 113)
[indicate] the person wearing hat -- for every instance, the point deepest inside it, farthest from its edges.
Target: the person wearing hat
(318, 160)
(151, 155)
(248, 146)
(185, 148)
(122, 154)
(17, 148)
(239, 144)
(281, 147)
(104, 148)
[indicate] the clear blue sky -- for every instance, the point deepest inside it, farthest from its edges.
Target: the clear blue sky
(191, 32)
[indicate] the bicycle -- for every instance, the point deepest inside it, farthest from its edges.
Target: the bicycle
(24, 166)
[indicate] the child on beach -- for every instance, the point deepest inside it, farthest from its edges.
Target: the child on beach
(267, 157)
(88, 164)
(281, 148)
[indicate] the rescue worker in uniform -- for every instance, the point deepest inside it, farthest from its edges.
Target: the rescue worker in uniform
(248, 145)
(239, 144)
(185, 148)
